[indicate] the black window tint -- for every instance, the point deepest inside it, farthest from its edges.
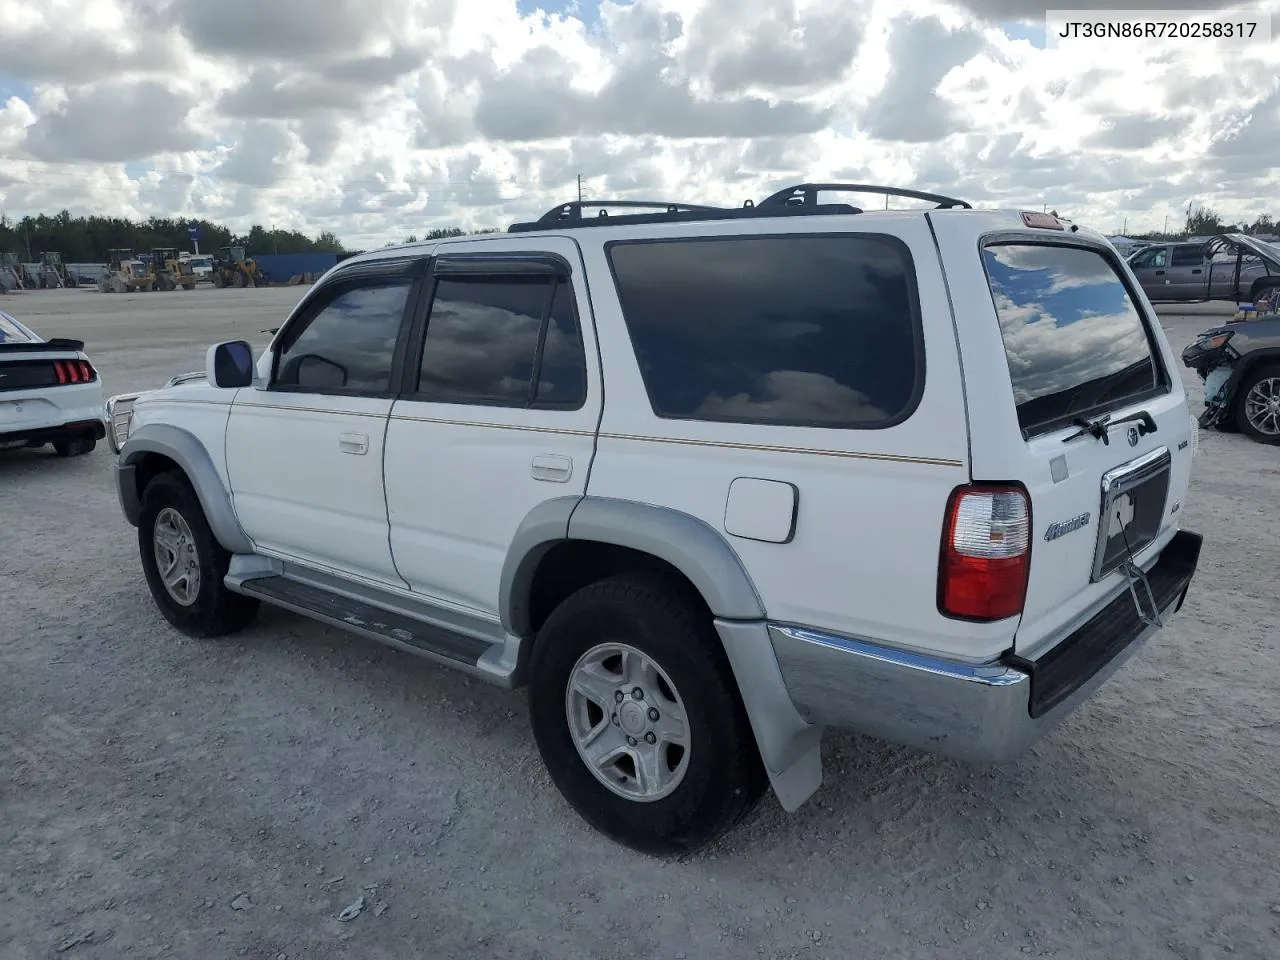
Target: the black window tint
(562, 378)
(482, 338)
(1074, 340)
(1188, 256)
(350, 343)
(806, 331)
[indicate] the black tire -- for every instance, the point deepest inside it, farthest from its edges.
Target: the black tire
(724, 777)
(215, 611)
(240, 280)
(74, 448)
(1238, 403)
(219, 280)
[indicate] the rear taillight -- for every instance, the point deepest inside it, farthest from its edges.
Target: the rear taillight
(74, 371)
(986, 553)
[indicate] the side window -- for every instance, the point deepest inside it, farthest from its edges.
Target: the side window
(503, 341)
(349, 345)
(1145, 259)
(788, 330)
(562, 375)
(1188, 256)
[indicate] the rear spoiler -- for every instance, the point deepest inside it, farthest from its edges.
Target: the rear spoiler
(57, 343)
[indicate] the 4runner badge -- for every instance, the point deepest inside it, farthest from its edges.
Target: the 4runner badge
(1057, 530)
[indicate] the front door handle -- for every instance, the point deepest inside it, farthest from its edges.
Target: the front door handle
(551, 468)
(1196, 270)
(356, 443)
(1159, 273)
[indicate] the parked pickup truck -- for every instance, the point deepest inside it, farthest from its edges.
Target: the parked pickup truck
(1231, 266)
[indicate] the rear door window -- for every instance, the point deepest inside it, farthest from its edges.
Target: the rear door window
(817, 331)
(1075, 342)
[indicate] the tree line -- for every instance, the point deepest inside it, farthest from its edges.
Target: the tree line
(1206, 222)
(88, 239)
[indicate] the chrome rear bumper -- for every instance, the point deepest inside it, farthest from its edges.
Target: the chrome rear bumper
(982, 713)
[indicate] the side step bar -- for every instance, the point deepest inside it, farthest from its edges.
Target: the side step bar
(376, 623)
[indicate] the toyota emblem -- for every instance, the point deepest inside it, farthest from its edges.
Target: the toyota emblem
(1134, 435)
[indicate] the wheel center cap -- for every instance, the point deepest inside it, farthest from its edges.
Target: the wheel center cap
(631, 717)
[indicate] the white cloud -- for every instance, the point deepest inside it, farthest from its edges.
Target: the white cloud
(388, 117)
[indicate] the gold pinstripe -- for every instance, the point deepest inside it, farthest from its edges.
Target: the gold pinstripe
(634, 438)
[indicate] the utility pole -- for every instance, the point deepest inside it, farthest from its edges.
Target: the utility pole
(1166, 224)
(579, 188)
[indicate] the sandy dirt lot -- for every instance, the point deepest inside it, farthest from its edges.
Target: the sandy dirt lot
(162, 797)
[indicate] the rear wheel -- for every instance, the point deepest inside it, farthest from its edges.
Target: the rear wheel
(74, 448)
(1257, 404)
(184, 564)
(637, 716)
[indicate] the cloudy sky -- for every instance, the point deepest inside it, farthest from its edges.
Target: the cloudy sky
(387, 117)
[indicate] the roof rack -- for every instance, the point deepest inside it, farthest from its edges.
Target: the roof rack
(574, 212)
(806, 194)
(798, 201)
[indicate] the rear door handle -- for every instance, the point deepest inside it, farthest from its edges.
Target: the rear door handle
(356, 443)
(1159, 273)
(551, 468)
(1196, 270)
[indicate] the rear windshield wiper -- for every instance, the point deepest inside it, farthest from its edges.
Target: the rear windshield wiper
(1100, 428)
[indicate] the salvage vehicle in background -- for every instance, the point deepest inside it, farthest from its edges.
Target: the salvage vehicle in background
(1240, 366)
(49, 392)
(1231, 266)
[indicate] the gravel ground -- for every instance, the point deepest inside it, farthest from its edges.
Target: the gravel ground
(163, 797)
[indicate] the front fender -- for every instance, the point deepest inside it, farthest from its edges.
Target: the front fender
(188, 452)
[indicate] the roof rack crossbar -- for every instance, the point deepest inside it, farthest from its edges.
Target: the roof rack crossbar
(575, 209)
(686, 215)
(806, 194)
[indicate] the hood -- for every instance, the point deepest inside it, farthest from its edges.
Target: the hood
(1267, 252)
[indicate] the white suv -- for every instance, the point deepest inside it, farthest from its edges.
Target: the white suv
(706, 480)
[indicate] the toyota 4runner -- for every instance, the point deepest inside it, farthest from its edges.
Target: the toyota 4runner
(705, 480)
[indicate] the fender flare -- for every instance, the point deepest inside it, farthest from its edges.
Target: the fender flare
(692, 546)
(187, 451)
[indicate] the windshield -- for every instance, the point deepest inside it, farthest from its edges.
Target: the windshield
(1075, 343)
(13, 332)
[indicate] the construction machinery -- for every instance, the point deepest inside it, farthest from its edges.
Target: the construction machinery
(126, 273)
(231, 268)
(53, 273)
(172, 272)
(14, 274)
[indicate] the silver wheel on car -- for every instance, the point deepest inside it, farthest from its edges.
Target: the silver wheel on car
(1262, 406)
(176, 557)
(628, 722)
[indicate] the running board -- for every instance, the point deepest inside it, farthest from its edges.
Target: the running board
(376, 623)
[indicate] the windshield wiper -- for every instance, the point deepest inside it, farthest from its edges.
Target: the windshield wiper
(1095, 428)
(1100, 428)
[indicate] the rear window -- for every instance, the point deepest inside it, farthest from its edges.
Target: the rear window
(818, 331)
(1075, 342)
(10, 332)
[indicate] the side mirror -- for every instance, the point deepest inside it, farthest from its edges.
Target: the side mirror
(229, 364)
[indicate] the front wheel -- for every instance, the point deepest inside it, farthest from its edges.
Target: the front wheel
(184, 564)
(637, 716)
(1257, 405)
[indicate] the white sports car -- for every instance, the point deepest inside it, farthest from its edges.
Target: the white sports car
(49, 392)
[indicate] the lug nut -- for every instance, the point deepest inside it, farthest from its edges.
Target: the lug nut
(653, 714)
(631, 741)
(637, 693)
(650, 738)
(618, 696)
(615, 719)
